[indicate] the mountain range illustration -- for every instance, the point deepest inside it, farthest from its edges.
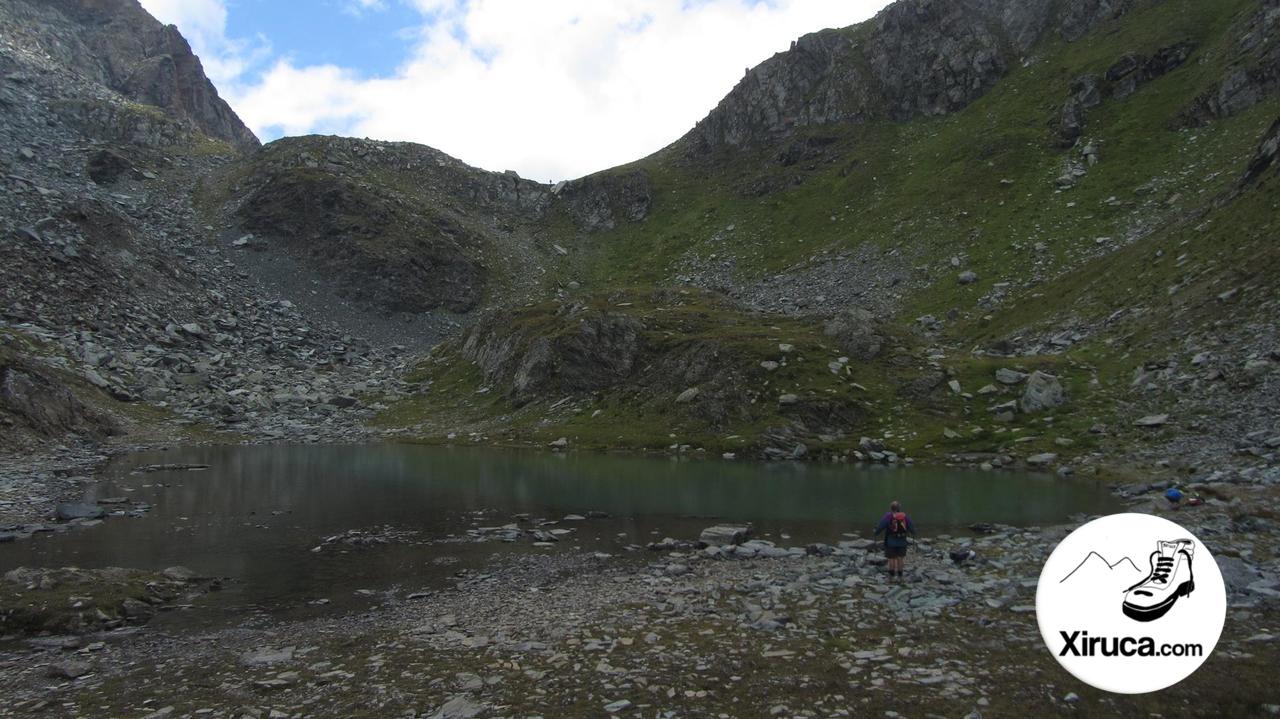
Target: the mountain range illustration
(1093, 559)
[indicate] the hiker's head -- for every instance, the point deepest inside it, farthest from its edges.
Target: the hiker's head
(895, 506)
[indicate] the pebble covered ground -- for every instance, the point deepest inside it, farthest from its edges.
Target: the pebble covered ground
(558, 632)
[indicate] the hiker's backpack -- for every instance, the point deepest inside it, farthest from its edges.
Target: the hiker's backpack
(898, 524)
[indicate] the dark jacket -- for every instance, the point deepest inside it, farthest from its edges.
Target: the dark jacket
(892, 540)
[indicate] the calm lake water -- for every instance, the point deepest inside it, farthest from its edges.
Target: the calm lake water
(258, 512)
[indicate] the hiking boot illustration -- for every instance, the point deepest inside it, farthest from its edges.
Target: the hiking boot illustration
(1170, 578)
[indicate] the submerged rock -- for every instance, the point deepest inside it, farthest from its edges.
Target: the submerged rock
(70, 511)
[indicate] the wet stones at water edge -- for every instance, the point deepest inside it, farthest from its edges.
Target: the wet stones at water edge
(371, 537)
(725, 534)
(172, 467)
(71, 511)
(79, 601)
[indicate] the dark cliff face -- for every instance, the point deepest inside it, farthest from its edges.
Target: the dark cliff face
(119, 44)
(916, 58)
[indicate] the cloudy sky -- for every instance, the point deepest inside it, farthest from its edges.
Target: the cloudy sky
(554, 89)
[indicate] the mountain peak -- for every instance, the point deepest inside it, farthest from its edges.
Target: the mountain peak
(915, 58)
(119, 45)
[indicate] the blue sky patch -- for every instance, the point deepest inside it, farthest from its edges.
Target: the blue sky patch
(372, 42)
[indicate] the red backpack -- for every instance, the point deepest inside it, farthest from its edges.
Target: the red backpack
(898, 524)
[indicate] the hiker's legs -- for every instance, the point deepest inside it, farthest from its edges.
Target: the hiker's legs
(895, 566)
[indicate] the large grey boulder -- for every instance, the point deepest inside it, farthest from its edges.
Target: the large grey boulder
(1043, 392)
(854, 332)
(1042, 460)
(723, 534)
(1004, 375)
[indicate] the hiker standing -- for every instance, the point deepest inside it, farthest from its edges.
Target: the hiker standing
(896, 525)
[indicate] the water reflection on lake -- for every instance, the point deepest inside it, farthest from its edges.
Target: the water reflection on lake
(257, 512)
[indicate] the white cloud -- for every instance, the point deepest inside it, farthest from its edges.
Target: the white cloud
(359, 7)
(552, 89)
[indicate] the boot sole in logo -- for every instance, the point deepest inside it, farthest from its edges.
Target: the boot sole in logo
(1150, 614)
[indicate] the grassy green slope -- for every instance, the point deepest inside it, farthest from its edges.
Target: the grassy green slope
(979, 184)
(933, 186)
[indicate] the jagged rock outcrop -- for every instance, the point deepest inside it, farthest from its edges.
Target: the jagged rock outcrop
(1254, 72)
(587, 351)
(1122, 79)
(1265, 158)
(601, 201)
(1132, 70)
(917, 57)
(1086, 94)
(34, 401)
(117, 44)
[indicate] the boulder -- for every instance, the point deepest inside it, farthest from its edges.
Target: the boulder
(1041, 460)
(180, 574)
(723, 534)
(137, 609)
(854, 332)
(1043, 392)
(1085, 95)
(1008, 376)
(105, 166)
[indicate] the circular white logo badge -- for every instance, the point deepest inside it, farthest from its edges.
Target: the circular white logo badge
(1131, 603)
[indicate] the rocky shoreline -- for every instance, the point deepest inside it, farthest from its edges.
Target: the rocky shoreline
(759, 631)
(742, 628)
